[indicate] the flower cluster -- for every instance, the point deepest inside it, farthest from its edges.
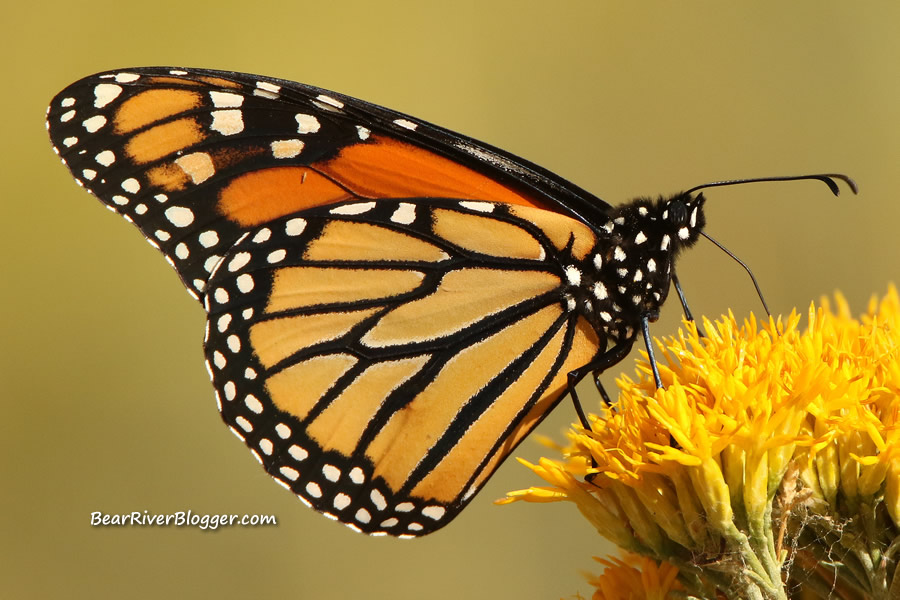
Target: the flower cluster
(767, 463)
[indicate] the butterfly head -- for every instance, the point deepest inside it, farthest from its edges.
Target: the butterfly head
(682, 219)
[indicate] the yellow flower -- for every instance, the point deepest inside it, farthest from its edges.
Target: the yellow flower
(634, 578)
(763, 437)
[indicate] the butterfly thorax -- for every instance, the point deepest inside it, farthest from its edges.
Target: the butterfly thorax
(633, 261)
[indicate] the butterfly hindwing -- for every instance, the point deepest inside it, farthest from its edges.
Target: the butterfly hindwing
(381, 362)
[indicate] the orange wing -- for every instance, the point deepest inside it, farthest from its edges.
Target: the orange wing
(391, 305)
(382, 362)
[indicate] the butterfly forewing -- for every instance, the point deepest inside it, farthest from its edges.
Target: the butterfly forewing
(195, 158)
(382, 370)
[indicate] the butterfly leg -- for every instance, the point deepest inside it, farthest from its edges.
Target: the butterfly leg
(687, 311)
(599, 385)
(596, 366)
(651, 356)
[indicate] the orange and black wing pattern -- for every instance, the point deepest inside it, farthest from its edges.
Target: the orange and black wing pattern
(391, 306)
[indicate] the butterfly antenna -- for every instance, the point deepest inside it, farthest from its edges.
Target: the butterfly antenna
(746, 268)
(826, 178)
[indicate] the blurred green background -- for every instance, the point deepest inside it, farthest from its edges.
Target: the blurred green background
(106, 404)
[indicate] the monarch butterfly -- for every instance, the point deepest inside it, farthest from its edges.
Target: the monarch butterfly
(391, 306)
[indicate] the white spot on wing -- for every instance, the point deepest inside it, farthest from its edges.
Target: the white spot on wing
(406, 124)
(296, 452)
(226, 99)
(210, 263)
(405, 213)
(197, 165)
(307, 123)
(331, 472)
(378, 499)
(330, 101)
(262, 235)
(131, 185)
(104, 93)
(434, 512)
(295, 226)
(356, 475)
(485, 207)
(363, 132)
(127, 77)
(227, 122)
(208, 239)
(105, 158)
(264, 89)
(179, 216)
(223, 322)
(253, 403)
(239, 261)
(94, 123)
(357, 208)
(245, 283)
(286, 148)
(276, 256)
(292, 474)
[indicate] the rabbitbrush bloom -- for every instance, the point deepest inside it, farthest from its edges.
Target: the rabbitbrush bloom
(766, 465)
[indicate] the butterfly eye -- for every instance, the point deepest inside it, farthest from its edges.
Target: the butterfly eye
(678, 212)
